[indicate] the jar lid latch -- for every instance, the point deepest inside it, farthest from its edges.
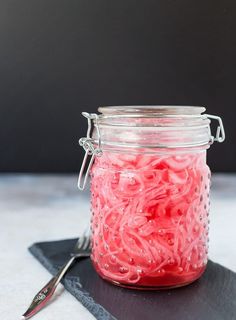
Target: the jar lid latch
(220, 131)
(89, 147)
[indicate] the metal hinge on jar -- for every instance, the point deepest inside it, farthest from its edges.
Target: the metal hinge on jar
(220, 131)
(91, 150)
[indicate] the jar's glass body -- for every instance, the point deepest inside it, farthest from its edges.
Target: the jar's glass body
(149, 193)
(150, 217)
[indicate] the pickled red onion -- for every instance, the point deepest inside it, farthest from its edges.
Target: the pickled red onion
(150, 217)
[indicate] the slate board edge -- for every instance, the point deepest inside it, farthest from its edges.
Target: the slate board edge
(74, 287)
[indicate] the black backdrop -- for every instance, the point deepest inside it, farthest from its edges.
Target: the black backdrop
(58, 58)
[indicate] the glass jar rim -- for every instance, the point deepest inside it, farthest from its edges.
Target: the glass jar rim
(151, 110)
(151, 127)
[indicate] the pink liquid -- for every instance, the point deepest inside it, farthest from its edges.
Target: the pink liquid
(150, 218)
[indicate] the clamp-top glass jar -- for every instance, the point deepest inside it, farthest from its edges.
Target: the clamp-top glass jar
(150, 193)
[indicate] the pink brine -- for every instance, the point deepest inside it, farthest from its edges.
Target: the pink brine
(150, 218)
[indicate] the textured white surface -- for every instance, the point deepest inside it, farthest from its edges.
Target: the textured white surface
(49, 207)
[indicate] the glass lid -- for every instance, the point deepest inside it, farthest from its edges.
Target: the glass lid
(154, 110)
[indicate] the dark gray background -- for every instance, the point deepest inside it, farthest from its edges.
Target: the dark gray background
(58, 58)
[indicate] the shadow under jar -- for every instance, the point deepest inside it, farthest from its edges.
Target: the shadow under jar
(149, 193)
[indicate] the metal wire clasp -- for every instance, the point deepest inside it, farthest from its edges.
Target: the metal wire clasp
(89, 147)
(220, 131)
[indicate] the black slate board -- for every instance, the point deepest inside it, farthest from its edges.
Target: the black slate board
(211, 297)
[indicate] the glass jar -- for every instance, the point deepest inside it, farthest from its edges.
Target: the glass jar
(149, 193)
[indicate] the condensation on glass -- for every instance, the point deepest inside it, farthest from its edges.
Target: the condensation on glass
(149, 193)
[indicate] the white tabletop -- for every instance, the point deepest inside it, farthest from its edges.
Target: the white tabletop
(49, 207)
